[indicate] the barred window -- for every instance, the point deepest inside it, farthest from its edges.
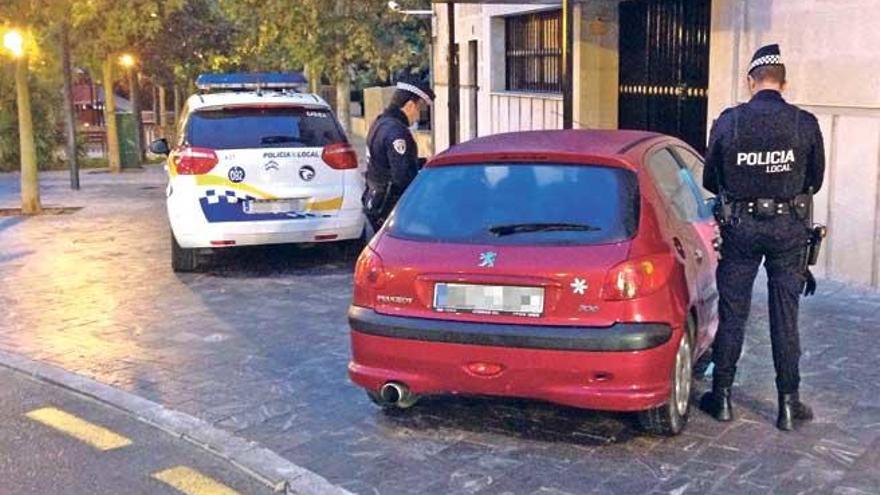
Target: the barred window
(533, 52)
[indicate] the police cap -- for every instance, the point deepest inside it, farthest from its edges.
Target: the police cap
(418, 87)
(766, 55)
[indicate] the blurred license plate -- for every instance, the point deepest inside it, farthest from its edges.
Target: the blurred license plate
(257, 206)
(489, 299)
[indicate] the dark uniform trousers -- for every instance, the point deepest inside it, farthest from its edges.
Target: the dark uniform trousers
(778, 241)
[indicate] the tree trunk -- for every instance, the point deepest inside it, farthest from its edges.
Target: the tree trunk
(30, 186)
(163, 117)
(314, 78)
(69, 115)
(113, 157)
(176, 105)
(135, 90)
(343, 102)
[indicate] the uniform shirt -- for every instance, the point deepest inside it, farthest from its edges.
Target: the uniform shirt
(392, 157)
(765, 148)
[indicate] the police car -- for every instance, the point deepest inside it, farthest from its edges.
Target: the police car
(257, 162)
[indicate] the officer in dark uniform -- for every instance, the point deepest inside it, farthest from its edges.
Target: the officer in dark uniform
(765, 159)
(392, 156)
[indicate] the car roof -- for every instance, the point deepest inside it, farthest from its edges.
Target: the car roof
(619, 148)
(255, 98)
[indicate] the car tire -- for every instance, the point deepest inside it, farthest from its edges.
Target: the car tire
(671, 418)
(183, 260)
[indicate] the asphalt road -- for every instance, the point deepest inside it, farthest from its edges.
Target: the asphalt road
(56, 441)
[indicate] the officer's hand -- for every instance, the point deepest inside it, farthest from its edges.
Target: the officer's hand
(810, 287)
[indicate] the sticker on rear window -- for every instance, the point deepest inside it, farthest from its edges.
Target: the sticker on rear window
(317, 114)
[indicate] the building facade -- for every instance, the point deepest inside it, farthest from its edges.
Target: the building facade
(672, 66)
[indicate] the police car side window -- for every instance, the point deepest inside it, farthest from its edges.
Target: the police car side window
(672, 180)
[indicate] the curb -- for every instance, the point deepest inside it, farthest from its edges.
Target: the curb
(258, 462)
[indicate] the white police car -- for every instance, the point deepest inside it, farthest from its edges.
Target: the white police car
(258, 163)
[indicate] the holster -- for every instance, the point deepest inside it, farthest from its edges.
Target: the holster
(814, 245)
(723, 210)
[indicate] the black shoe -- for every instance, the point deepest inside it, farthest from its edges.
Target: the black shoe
(717, 403)
(792, 412)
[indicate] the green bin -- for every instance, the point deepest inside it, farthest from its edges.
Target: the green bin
(129, 154)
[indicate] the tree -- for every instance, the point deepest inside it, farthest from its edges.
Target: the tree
(327, 39)
(104, 28)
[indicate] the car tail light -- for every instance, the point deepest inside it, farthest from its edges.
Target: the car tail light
(638, 277)
(369, 275)
(194, 161)
(340, 156)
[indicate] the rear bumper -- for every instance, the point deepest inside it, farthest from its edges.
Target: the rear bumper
(197, 233)
(543, 363)
(619, 337)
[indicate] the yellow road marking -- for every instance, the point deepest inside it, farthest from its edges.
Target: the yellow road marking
(92, 434)
(192, 482)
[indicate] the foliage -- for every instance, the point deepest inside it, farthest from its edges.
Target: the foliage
(362, 41)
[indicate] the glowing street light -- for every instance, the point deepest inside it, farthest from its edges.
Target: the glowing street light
(126, 60)
(13, 42)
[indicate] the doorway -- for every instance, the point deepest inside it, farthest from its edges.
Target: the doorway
(664, 67)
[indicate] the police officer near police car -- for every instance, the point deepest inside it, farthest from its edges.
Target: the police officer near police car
(392, 156)
(765, 161)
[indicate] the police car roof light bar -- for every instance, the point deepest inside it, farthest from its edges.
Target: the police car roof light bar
(250, 81)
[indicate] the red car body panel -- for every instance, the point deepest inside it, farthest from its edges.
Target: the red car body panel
(623, 380)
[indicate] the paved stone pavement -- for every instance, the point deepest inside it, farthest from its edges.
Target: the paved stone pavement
(258, 345)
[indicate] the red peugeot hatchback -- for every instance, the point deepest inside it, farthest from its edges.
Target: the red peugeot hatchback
(574, 267)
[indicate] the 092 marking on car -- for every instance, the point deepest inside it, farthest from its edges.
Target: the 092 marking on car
(236, 174)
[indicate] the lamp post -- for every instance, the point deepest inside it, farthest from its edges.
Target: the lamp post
(129, 63)
(14, 44)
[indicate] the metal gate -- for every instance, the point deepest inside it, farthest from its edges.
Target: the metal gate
(664, 67)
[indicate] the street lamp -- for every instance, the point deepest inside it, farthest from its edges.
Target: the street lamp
(14, 43)
(128, 62)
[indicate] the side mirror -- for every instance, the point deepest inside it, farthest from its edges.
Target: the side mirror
(160, 147)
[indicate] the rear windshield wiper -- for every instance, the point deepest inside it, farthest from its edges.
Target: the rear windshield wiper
(278, 139)
(517, 228)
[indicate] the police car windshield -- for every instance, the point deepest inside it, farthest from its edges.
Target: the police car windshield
(579, 204)
(241, 128)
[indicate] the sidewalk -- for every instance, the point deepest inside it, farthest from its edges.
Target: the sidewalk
(258, 345)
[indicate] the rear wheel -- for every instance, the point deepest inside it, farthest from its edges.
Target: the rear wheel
(671, 418)
(183, 259)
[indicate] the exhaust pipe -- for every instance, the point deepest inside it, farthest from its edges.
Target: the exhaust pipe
(395, 393)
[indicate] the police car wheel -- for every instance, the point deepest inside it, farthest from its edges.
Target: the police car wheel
(183, 259)
(671, 418)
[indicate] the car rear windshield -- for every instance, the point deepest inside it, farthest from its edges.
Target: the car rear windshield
(519, 204)
(239, 128)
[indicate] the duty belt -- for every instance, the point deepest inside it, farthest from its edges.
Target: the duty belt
(767, 207)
